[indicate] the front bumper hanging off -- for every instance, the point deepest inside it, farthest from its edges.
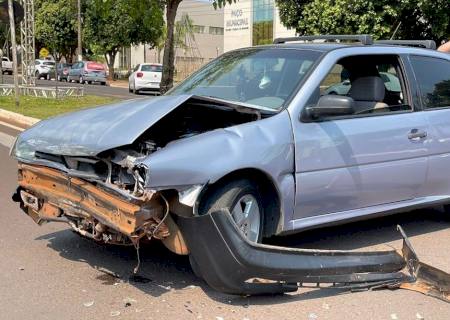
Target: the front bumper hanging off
(231, 264)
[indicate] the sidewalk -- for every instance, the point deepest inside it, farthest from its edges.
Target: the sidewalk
(118, 84)
(17, 119)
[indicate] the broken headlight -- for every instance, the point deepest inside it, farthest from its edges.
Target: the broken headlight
(22, 150)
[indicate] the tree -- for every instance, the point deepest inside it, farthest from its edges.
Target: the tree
(112, 24)
(183, 28)
(56, 27)
(169, 45)
(3, 34)
(415, 19)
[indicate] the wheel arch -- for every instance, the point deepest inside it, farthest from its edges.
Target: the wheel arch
(270, 195)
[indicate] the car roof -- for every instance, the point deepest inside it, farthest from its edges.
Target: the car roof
(376, 48)
(329, 46)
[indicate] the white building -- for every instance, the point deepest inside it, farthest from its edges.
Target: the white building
(206, 45)
(252, 22)
(244, 23)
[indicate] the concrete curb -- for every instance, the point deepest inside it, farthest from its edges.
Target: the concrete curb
(17, 119)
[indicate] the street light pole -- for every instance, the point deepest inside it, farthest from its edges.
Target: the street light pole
(80, 53)
(14, 51)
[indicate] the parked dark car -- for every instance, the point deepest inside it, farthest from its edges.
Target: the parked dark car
(62, 71)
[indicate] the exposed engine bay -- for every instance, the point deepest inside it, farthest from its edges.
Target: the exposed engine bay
(121, 169)
(104, 197)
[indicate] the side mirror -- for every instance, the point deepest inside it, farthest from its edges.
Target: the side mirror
(330, 105)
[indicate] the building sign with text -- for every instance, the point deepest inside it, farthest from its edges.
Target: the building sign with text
(237, 19)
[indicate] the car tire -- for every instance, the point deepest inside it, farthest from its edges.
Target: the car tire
(243, 200)
(10, 73)
(37, 75)
(103, 83)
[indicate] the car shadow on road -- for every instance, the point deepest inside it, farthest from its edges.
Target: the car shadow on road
(366, 233)
(162, 271)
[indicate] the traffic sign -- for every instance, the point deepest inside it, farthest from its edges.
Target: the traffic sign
(43, 53)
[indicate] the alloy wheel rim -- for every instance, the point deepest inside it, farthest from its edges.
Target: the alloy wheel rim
(246, 215)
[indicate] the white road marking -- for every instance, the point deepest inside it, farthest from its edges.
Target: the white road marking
(11, 126)
(6, 140)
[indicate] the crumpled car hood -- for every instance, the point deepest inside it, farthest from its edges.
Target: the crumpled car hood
(91, 131)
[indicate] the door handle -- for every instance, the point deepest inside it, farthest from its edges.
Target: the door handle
(415, 134)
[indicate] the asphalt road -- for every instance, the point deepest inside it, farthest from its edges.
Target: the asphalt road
(89, 89)
(49, 272)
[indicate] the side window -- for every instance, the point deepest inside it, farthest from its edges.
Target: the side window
(136, 68)
(433, 77)
(336, 82)
(374, 82)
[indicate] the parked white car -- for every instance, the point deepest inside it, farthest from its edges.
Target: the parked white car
(145, 77)
(44, 69)
(7, 66)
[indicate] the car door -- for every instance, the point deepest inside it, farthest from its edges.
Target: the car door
(72, 72)
(433, 81)
(75, 71)
(37, 64)
(364, 160)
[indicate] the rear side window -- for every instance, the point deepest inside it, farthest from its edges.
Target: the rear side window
(151, 68)
(433, 77)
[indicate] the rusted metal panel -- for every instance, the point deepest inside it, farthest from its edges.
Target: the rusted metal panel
(83, 198)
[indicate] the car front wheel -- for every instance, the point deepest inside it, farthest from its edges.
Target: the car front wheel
(243, 200)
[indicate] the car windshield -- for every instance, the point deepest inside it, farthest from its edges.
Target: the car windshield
(151, 68)
(262, 77)
(49, 63)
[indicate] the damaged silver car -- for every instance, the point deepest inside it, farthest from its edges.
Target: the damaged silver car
(254, 134)
(221, 139)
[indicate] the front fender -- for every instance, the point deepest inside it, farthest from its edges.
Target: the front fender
(266, 145)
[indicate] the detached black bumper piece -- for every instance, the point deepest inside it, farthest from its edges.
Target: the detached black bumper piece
(230, 264)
